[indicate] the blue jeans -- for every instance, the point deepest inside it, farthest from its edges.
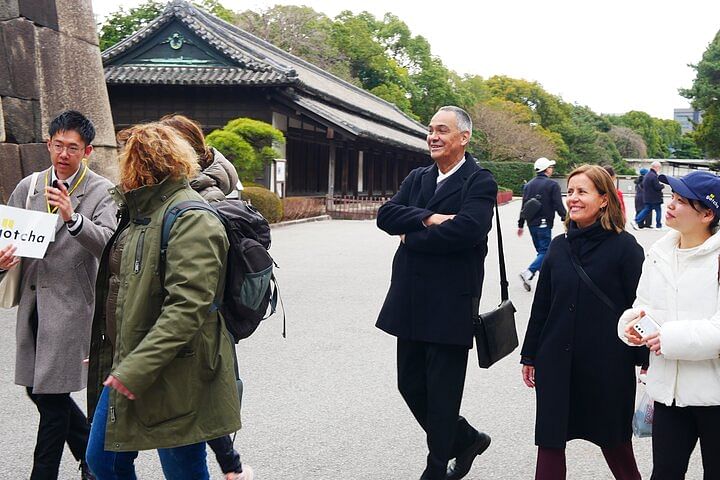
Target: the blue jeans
(541, 237)
(179, 463)
(657, 207)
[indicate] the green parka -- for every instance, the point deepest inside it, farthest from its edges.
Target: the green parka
(172, 349)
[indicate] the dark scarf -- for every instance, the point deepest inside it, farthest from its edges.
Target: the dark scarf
(585, 240)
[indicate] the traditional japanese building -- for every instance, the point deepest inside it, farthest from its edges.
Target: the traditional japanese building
(340, 139)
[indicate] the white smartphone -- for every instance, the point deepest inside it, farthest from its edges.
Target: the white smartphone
(646, 326)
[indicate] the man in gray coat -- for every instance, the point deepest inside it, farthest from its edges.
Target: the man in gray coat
(58, 292)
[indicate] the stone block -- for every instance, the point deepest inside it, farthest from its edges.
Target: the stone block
(42, 12)
(2, 123)
(104, 161)
(9, 9)
(22, 120)
(34, 157)
(10, 170)
(18, 40)
(75, 18)
(82, 88)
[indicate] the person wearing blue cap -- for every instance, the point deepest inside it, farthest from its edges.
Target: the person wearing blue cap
(679, 291)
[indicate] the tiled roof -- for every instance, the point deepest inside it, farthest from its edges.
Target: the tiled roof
(360, 126)
(182, 75)
(257, 62)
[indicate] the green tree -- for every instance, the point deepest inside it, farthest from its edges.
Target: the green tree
(705, 96)
(687, 147)
(248, 144)
(123, 23)
(301, 31)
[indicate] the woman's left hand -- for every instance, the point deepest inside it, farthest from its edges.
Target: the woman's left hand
(653, 343)
(113, 382)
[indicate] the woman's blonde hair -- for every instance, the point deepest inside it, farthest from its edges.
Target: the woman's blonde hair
(153, 152)
(611, 216)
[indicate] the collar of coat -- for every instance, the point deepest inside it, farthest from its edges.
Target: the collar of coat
(663, 248)
(452, 184)
(144, 200)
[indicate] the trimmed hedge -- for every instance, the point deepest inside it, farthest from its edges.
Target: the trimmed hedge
(268, 203)
(511, 175)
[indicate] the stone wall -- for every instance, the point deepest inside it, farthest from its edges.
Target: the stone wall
(49, 62)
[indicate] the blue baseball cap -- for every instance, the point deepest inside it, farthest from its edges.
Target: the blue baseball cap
(699, 185)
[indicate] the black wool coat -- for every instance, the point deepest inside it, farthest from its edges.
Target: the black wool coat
(652, 188)
(584, 375)
(438, 270)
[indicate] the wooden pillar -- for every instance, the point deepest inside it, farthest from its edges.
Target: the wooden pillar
(331, 176)
(396, 174)
(345, 171)
(361, 171)
(383, 173)
(371, 175)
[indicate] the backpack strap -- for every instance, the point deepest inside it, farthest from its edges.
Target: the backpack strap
(173, 213)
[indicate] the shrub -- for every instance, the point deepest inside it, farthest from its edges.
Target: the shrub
(512, 175)
(265, 201)
(248, 144)
(302, 207)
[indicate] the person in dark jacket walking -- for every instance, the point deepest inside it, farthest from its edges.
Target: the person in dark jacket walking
(652, 195)
(584, 377)
(540, 225)
(640, 199)
(216, 180)
(442, 214)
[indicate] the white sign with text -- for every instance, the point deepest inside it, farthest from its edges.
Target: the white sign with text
(30, 231)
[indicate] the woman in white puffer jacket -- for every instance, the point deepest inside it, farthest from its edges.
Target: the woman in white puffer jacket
(680, 289)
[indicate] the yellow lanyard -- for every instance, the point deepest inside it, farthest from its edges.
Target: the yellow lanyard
(70, 192)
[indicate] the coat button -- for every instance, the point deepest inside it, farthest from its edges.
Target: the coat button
(567, 348)
(32, 287)
(572, 307)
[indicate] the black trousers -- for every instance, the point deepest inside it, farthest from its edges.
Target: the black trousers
(61, 420)
(225, 454)
(676, 431)
(431, 378)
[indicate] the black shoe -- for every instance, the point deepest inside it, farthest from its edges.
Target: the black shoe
(461, 466)
(85, 473)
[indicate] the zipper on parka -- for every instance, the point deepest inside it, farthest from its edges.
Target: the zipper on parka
(112, 414)
(139, 252)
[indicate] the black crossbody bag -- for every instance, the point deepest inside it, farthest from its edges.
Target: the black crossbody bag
(494, 331)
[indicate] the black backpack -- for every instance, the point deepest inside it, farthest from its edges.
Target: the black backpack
(532, 207)
(250, 285)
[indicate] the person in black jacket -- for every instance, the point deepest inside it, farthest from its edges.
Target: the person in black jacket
(652, 195)
(442, 215)
(640, 199)
(584, 377)
(540, 225)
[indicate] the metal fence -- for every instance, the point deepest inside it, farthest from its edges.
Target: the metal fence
(354, 207)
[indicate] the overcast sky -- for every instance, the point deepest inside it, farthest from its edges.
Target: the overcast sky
(614, 56)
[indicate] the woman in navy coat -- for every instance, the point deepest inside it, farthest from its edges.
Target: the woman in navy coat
(583, 376)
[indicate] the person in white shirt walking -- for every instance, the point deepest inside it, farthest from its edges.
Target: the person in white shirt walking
(680, 290)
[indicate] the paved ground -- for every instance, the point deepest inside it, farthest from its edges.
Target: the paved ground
(322, 404)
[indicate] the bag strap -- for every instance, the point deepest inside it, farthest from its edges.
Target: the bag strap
(504, 294)
(588, 281)
(31, 190)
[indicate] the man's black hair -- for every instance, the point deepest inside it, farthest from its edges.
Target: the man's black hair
(72, 120)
